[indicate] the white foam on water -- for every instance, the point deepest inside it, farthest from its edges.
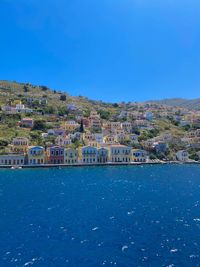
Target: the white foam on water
(28, 263)
(173, 250)
(193, 256)
(124, 248)
(83, 241)
(95, 228)
(196, 219)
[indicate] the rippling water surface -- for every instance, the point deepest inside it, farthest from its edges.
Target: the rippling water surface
(100, 216)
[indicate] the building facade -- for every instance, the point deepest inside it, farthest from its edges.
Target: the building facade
(71, 156)
(120, 153)
(12, 159)
(139, 155)
(102, 155)
(89, 154)
(55, 155)
(36, 155)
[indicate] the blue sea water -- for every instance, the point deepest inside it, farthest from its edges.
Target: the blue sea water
(100, 216)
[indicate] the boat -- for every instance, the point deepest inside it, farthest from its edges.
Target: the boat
(16, 167)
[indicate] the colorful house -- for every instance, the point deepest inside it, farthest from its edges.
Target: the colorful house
(19, 145)
(71, 156)
(71, 126)
(109, 139)
(36, 155)
(126, 126)
(102, 155)
(182, 155)
(120, 153)
(12, 159)
(95, 121)
(161, 147)
(139, 155)
(63, 140)
(27, 122)
(55, 155)
(89, 154)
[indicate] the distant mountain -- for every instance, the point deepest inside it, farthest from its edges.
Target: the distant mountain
(192, 104)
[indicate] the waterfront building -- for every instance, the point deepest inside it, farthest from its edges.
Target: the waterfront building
(71, 156)
(55, 155)
(36, 155)
(12, 159)
(102, 155)
(161, 147)
(139, 155)
(182, 155)
(89, 154)
(120, 153)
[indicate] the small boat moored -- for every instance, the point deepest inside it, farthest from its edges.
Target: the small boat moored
(16, 167)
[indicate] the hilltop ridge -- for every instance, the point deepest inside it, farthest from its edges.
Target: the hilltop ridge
(191, 104)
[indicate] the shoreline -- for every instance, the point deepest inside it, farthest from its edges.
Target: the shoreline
(95, 164)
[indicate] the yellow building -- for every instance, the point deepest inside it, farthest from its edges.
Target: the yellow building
(36, 155)
(19, 145)
(71, 126)
(71, 156)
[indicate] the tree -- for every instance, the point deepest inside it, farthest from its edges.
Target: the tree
(186, 127)
(44, 88)
(49, 110)
(39, 125)
(115, 105)
(81, 130)
(62, 111)
(25, 88)
(105, 114)
(63, 97)
(75, 144)
(3, 142)
(194, 156)
(152, 156)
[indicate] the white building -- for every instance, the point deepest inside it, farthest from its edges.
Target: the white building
(12, 159)
(120, 153)
(139, 155)
(182, 155)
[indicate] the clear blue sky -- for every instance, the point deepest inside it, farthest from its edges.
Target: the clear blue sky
(114, 50)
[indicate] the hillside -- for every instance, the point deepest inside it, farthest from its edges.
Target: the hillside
(192, 104)
(10, 91)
